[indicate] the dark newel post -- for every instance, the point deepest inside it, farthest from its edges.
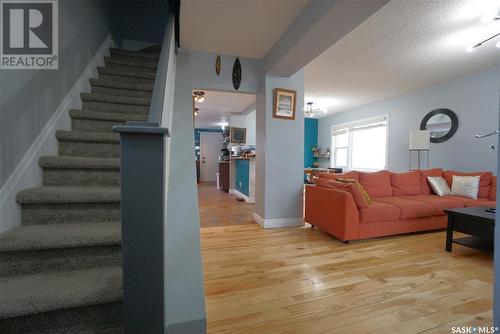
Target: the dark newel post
(143, 206)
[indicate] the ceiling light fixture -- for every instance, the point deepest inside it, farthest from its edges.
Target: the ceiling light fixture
(498, 44)
(471, 48)
(223, 125)
(309, 111)
(199, 96)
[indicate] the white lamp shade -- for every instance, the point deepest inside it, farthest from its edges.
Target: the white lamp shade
(419, 139)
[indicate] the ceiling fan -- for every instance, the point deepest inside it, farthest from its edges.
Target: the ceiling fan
(310, 111)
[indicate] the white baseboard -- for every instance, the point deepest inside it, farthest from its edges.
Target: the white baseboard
(278, 223)
(242, 195)
(27, 173)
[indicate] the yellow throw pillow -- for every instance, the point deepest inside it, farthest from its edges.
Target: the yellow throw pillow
(357, 185)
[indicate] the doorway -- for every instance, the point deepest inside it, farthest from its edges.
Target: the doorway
(210, 148)
(225, 161)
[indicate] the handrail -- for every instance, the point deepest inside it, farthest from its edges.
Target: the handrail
(160, 110)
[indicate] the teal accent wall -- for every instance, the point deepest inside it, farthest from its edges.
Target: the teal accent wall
(310, 140)
(242, 176)
(197, 138)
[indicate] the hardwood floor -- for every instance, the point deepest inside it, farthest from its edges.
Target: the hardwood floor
(300, 280)
(218, 208)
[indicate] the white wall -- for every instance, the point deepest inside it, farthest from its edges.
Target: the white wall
(29, 98)
(203, 74)
(184, 293)
(245, 121)
(475, 100)
(279, 177)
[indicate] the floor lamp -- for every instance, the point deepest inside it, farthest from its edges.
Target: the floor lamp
(419, 143)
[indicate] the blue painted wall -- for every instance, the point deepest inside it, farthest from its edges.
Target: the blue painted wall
(242, 176)
(310, 140)
(197, 138)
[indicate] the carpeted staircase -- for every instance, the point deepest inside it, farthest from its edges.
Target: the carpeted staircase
(60, 271)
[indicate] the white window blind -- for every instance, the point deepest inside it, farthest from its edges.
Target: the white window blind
(360, 145)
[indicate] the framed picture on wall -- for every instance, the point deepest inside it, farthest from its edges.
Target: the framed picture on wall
(284, 103)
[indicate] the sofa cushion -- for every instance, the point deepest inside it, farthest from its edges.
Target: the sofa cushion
(405, 184)
(485, 203)
(409, 208)
(377, 184)
(425, 189)
(347, 175)
(493, 189)
(467, 202)
(439, 203)
(378, 211)
(484, 183)
(360, 197)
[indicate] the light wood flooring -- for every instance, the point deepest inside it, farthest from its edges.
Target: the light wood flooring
(300, 280)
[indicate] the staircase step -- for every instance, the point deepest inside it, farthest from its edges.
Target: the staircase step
(153, 48)
(136, 101)
(35, 249)
(77, 171)
(59, 205)
(128, 76)
(98, 121)
(121, 88)
(125, 68)
(116, 104)
(66, 302)
(132, 62)
(136, 54)
(88, 144)
(123, 85)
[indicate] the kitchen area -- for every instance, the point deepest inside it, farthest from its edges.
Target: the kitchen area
(225, 137)
(236, 172)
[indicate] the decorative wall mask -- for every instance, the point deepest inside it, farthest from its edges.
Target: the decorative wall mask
(236, 74)
(217, 65)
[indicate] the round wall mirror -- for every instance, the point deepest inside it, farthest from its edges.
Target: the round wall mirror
(442, 124)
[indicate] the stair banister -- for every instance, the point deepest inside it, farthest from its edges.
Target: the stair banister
(144, 155)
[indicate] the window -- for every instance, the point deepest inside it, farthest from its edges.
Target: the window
(360, 145)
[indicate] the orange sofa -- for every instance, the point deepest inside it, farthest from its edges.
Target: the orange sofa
(401, 203)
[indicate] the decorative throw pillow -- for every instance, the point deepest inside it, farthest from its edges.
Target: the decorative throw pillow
(425, 189)
(351, 188)
(484, 182)
(438, 185)
(358, 185)
(465, 186)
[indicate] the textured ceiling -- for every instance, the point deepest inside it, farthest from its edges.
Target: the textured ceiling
(402, 47)
(218, 107)
(244, 28)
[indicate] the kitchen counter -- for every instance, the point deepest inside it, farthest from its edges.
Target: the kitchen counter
(242, 183)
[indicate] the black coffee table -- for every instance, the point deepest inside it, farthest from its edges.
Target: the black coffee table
(477, 222)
